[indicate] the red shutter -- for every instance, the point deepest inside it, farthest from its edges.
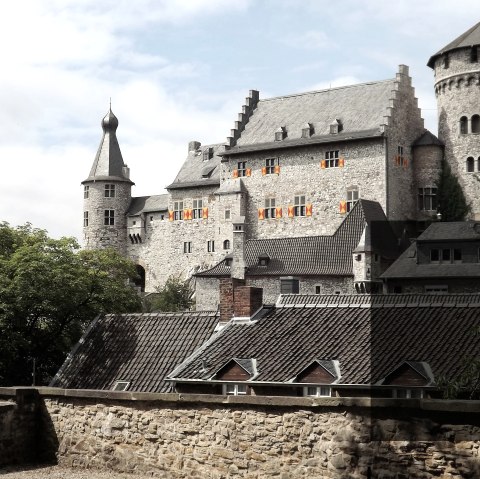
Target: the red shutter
(291, 212)
(235, 173)
(278, 212)
(205, 213)
(261, 213)
(277, 169)
(341, 162)
(308, 210)
(264, 171)
(323, 164)
(248, 172)
(187, 214)
(171, 215)
(343, 206)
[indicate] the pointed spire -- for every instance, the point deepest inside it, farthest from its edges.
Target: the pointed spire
(108, 162)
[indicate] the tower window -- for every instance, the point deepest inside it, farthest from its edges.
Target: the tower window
(352, 198)
(446, 61)
(464, 125)
(474, 55)
(86, 191)
(85, 218)
(475, 124)
(299, 206)
(109, 218)
(109, 191)
(427, 199)
(470, 165)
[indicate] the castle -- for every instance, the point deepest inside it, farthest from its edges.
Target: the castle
(295, 166)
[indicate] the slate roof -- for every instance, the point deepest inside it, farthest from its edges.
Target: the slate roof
(139, 348)
(193, 171)
(427, 139)
(147, 204)
(317, 255)
(360, 108)
(451, 231)
(368, 337)
(469, 38)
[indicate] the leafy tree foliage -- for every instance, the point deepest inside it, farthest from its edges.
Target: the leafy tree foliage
(451, 201)
(50, 290)
(176, 295)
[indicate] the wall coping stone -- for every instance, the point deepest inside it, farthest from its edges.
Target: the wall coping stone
(460, 406)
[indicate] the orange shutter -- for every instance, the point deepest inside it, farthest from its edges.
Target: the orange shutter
(248, 172)
(277, 169)
(235, 173)
(308, 210)
(291, 212)
(278, 212)
(341, 162)
(187, 214)
(261, 213)
(264, 171)
(170, 215)
(205, 213)
(323, 164)
(343, 206)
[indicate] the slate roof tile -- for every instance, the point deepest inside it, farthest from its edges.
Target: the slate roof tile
(147, 204)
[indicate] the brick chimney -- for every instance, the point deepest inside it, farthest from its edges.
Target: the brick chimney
(238, 300)
(237, 269)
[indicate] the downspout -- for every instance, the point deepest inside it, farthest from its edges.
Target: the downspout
(387, 206)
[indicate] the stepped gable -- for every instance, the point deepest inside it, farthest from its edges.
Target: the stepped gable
(466, 40)
(201, 168)
(138, 348)
(316, 255)
(368, 335)
(360, 108)
(148, 204)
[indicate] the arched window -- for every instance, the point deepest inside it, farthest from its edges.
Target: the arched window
(463, 125)
(475, 124)
(470, 165)
(226, 244)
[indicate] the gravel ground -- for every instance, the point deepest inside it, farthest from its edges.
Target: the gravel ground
(58, 472)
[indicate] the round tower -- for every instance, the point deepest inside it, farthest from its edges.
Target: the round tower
(457, 88)
(107, 193)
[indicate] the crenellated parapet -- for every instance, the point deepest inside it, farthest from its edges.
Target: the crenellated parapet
(248, 108)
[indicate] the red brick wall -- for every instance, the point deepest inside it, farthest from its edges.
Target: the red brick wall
(247, 300)
(227, 286)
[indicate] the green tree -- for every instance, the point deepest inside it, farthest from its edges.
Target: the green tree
(175, 295)
(50, 290)
(451, 201)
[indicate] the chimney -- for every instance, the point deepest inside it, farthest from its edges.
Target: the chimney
(237, 269)
(227, 290)
(247, 300)
(194, 146)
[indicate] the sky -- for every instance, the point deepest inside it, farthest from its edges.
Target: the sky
(176, 71)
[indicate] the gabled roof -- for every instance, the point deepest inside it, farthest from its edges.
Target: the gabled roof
(468, 39)
(420, 367)
(428, 139)
(330, 365)
(147, 204)
(138, 348)
(197, 172)
(451, 231)
(369, 338)
(317, 255)
(360, 108)
(247, 364)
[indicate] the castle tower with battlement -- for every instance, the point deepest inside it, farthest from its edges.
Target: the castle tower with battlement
(457, 88)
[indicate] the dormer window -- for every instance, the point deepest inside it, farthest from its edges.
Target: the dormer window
(263, 260)
(120, 385)
(280, 134)
(336, 127)
(307, 130)
(207, 153)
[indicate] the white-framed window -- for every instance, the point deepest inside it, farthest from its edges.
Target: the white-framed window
(269, 208)
(109, 190)
(109, 217)
(436, 288)
(86, 191)
(299, 205)
(120, 385)
(242, 168)
(427, 199)
(270, 164)
(352, 198)
(85, 218)
(211, 246)
(178, 210)
(197, 209)
(317, 391)
(234, 389)
(187, 246)
(408, 393)
(331, 158)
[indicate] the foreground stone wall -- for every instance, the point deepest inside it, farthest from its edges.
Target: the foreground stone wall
(193, 436)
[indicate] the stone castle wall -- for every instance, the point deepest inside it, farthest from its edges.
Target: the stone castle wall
(195, 436)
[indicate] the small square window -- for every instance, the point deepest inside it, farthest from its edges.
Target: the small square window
(109, 191)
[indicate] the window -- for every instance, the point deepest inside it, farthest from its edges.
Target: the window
(474, 55)
(232, 389)
(446, 255)
(318, 289)
(317, 391)
(475, 124)
(464, 125)
(280, 134)
(242, 168)
(434, 255)
(407, 393)
(211, 246)
(470, 165)
(207, 153)
(178, 210)
(197, 209)
(227, 214)
(86, 191)
(436, 288)
(335, 127)
(307, 130)
(109, 218)
(270, 164)
(299, 206)
(151, 218)
(120, 386)
(187, 246)
(331, 159)
(289, 286)
(397, 289)
(446, 60)
(269, 208)
(85, 218)
(457, 255)
(226, 244)
(109, 191)
(427, 199)
(352, 198)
